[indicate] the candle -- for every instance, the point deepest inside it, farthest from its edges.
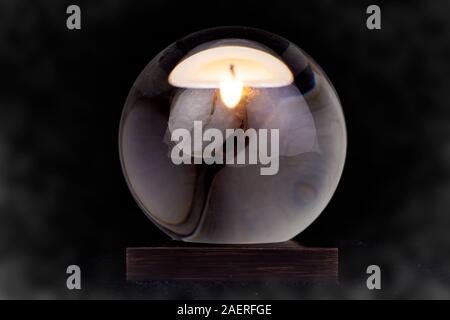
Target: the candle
(230, 69)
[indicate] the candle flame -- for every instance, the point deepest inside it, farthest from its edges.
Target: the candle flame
(231, 90)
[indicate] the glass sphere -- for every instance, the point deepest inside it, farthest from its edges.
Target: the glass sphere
(232, 135)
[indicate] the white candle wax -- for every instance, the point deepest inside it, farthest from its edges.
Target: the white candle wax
(230, 68)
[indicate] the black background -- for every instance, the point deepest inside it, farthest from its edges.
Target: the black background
(63, 198)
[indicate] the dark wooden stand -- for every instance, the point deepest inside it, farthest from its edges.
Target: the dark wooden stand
(180, 261)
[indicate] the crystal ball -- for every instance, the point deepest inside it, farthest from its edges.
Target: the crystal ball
(232, 135)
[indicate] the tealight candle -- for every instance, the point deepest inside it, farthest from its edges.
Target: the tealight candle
(230, 69)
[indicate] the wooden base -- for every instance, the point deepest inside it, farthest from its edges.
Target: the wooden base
(180, 261)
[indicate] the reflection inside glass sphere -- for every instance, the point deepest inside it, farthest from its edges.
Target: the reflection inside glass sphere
(232, 135)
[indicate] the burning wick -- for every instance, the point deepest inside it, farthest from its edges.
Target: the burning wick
(231, 89)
